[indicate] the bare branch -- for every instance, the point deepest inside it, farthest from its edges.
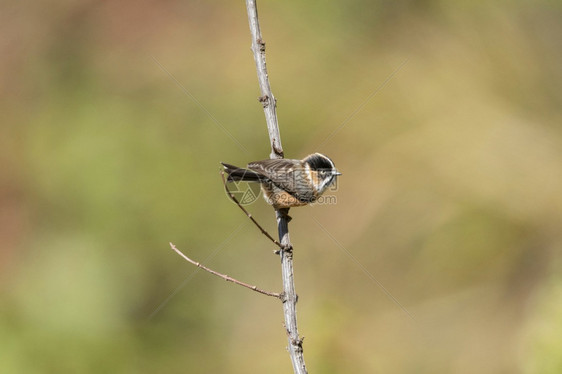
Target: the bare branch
(286, 252)
(226, 277)
(267, 99)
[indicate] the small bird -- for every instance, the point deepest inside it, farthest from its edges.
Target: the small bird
(288, 183)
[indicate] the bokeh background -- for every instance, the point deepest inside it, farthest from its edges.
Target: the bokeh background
(444, 117)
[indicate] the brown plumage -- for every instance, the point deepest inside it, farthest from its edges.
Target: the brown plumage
(288, 183)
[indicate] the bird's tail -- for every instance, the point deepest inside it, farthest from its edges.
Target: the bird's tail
(239, 174)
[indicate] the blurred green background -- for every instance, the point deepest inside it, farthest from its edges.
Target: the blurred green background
(451, 150)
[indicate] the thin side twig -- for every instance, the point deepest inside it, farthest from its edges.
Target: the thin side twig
(233, 198)
(226, 277)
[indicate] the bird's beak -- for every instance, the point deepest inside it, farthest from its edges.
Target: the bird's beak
(337, 172)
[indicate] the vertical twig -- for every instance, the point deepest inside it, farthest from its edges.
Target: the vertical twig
(267, 99)
(286, 253)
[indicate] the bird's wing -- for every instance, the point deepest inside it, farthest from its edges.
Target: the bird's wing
(287, 174)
